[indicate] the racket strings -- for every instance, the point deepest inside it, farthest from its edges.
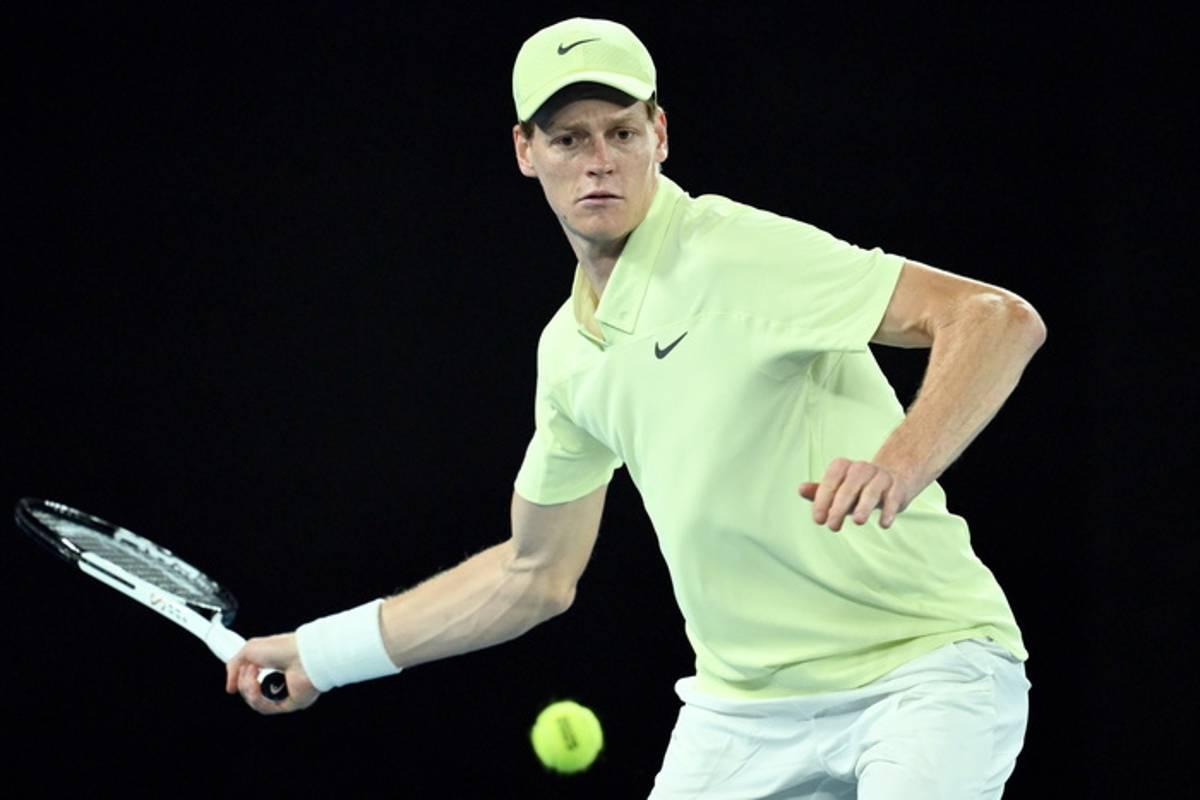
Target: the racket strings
(140, 558)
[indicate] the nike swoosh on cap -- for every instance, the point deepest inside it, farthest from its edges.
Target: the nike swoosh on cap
(562, 51)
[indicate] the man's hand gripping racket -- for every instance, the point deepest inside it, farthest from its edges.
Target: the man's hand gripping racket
(275, 653)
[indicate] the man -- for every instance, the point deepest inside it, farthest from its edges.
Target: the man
(721, 354)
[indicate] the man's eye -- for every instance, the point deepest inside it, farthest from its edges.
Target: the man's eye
(625, 135)
(565, 141)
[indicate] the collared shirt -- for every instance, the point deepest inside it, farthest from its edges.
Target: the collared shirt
(726, 363)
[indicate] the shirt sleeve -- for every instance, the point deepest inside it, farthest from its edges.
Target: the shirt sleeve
(846, 289)
(563, 461)
(832, 292)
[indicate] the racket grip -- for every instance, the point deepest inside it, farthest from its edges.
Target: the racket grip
(225, 643)
(273, 684)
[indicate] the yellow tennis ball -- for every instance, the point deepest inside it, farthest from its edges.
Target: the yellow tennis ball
(567, 736)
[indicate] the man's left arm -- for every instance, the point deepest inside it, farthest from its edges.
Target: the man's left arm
(981, 337)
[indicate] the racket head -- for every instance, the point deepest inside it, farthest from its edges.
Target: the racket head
(69, 533)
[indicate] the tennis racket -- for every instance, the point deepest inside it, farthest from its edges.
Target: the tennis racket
(145, 571)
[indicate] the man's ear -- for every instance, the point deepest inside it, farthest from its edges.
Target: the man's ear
(660, 131)
(521, 146)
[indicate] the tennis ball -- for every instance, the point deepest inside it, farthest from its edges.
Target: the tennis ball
(567, 736)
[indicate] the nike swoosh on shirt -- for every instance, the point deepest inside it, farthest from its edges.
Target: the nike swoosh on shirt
(562, 51)
(661, 352)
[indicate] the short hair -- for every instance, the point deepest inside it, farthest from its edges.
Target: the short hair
(582, 91)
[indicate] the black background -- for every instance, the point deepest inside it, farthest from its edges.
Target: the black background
(275, 286)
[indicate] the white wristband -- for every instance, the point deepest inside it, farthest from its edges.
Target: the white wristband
(344, 648)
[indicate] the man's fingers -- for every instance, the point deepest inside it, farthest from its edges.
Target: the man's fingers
(247, 684)
(252, 692)
(827, 489)
(891, 507)
(857, 480)
(872, 496)
(855, 489)
(231, 676)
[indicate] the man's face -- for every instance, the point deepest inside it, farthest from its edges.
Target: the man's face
(598, 165)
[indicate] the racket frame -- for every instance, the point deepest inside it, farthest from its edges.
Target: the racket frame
(205, 621)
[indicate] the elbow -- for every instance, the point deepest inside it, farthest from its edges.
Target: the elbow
(1031, 323)
(546, 590)
(557, 597)
(1019, 318)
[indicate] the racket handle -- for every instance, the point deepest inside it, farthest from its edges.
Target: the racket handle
(225, 643)
(273, 684)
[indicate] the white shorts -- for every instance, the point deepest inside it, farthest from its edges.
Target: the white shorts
(946, 725)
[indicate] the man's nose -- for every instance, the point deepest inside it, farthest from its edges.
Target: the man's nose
(600, 162)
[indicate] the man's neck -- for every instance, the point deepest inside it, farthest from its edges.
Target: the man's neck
(597, 259)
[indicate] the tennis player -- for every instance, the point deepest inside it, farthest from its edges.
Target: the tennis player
(848, 641)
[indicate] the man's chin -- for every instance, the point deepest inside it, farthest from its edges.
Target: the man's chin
(596, 232)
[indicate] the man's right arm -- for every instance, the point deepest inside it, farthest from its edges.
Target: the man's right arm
(491, 597)
(499, 593)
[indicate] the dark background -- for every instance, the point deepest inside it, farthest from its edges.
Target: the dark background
(275, 289)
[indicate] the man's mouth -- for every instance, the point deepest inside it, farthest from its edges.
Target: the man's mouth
(599, 196)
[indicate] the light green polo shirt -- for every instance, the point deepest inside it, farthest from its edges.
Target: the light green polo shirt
(727, 363)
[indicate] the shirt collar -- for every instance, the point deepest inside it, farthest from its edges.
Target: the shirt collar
(626, 288)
